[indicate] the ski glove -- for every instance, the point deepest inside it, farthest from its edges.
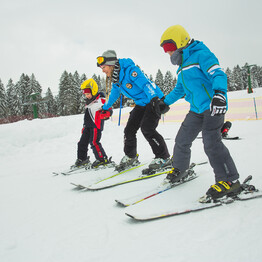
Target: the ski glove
(155, 106)
(163, 107)
(218, 104)
(159, 106)
(104, 114)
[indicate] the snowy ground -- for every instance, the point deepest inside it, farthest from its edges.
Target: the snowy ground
(44, 219)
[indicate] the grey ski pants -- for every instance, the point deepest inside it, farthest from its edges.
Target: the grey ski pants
(218, 154)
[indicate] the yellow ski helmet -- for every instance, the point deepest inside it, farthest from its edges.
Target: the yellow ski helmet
(175, 34)
(90, 84)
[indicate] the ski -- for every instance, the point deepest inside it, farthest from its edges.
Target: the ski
(82, 169)
(225, 138)
(107, 178)
(232, 138)
(159, 190)
(97, 186)
(248, 193)
(71, 171)
(198, 208)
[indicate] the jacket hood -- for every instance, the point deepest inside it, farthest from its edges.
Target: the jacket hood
(195, 46)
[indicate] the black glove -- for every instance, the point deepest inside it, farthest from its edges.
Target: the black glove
(218, 104)
(163, 107)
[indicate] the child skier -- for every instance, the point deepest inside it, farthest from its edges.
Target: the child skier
(93, 126)
(204, 85)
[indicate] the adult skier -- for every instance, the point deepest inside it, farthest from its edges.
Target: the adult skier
(204, 85)
(129, 80)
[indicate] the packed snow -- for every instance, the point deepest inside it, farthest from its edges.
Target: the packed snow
(44, 218)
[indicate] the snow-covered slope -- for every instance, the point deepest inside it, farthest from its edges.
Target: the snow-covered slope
(44, 219)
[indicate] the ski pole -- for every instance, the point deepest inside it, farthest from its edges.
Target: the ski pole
(120, 110)
(255, 106)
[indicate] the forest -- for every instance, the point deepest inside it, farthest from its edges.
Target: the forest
(24, 99)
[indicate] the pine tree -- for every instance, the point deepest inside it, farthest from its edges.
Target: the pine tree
(151, 78)
(13, 100)
(159, 80)
(23, 92)
(237, 76)
(3, 101)
(78, 93)
(230, 80)
(35, 88)
(50, 103)
(68, 95)
(168, 83)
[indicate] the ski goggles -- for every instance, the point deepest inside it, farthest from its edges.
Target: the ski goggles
(101, 60)
(87, 91)
(169, 45)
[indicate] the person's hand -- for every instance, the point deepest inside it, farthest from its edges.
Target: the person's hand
(104, 114)
(218, 105)
(163, 107)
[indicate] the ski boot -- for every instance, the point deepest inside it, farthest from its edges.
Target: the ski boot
(225, 128)
(102, 162)
(221, 189)
(175, 175)
(81, 163)
(127, 162)
(157, 165)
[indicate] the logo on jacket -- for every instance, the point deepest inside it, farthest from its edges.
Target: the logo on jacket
(129, 86)
(134, 74)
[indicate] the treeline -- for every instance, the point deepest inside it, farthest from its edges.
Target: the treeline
(20, 100)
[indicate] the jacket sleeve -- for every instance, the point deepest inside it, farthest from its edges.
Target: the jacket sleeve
(212, 70)
(140, 79)
(114, 95)
(175, 94)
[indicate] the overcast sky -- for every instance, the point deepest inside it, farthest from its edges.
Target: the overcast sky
(49, 36)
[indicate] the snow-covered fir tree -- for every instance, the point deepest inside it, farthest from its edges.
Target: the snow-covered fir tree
(24, 91)
(3, 101)
(13, 100)
(168, 83)
(50, 105)
(159, 80)
(68, 95)
(237, 78)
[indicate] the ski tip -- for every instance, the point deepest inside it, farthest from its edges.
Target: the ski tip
(121, 203)
(77, 186)
(129, 215)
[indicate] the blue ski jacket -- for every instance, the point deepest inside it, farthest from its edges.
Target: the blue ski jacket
(134, 84)
(198, 77)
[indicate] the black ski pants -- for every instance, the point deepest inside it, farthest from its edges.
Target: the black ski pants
(218, 154)
(144, 117)
(90, 136)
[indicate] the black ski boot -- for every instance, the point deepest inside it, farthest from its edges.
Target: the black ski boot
(81, 163)
(221, 189)
(127, 162)
(102, 162)
(157, 165)
(175, 175)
